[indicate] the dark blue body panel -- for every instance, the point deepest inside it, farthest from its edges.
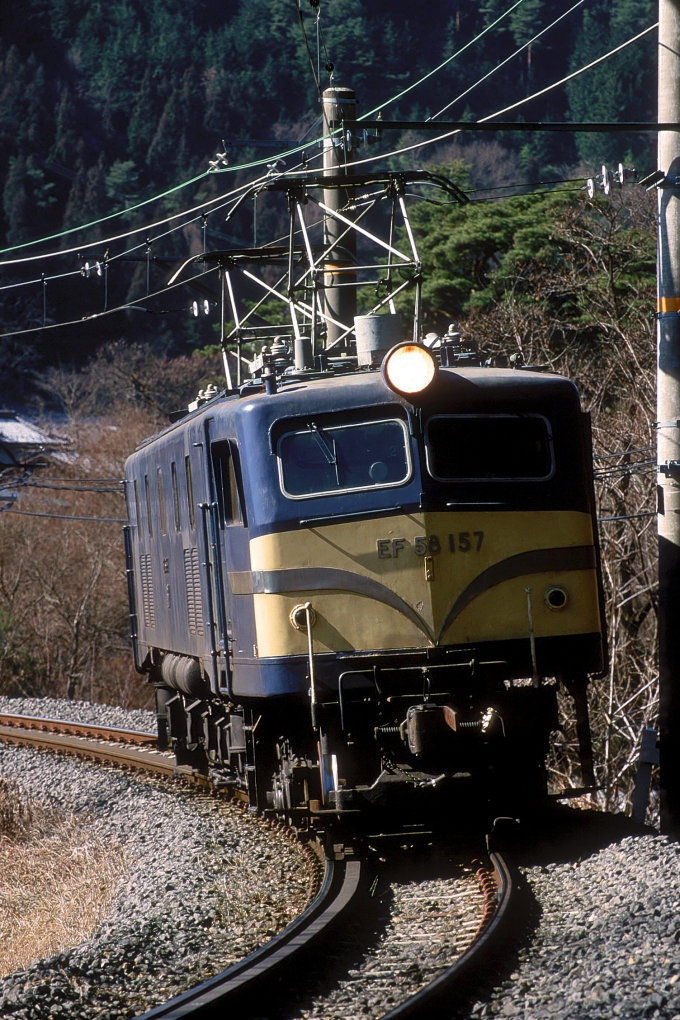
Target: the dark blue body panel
(182, 555)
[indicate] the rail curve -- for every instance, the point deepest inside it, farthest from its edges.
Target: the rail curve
(251, 979)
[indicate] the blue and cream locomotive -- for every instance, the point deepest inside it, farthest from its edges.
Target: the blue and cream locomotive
(359, 587)
(357, 579)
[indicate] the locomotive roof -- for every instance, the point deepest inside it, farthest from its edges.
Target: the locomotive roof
(298, 396)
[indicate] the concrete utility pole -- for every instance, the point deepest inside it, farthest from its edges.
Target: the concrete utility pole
(340, 303)
(668, 415)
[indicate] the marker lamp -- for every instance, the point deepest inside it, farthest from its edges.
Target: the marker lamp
(409, 368)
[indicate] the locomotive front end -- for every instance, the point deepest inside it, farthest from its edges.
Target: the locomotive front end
(440, 544)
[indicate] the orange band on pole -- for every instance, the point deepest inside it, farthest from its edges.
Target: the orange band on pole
(668, 304)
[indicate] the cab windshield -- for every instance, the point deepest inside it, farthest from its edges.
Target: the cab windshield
(322, 460)
(491, 447)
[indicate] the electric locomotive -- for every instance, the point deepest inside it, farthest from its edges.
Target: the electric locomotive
(356, 587)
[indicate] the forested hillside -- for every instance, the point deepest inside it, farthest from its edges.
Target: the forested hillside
(105, 104)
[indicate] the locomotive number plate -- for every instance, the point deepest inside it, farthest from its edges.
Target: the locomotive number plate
(430, 545)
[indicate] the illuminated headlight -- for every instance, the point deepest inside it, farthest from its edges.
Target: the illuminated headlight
(409, 368)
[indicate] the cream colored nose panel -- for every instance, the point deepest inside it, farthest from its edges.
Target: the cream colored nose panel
(413, 580)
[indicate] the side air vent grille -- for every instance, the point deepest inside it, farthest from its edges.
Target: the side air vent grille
(194, 602)
(147, 590)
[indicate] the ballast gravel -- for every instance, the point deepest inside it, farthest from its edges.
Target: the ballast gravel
(206, 885)
(607, 943)
(81, 712)
(204, 889)
(430, 924)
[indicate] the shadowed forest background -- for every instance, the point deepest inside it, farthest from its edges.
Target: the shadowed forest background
(103, 105)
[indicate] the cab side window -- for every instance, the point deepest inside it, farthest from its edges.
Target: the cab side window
(225, 476)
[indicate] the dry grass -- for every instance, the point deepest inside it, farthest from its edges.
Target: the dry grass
(63, 596)
(56, 880)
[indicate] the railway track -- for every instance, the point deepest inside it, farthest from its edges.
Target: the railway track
(253, 988)
(253, 985)
(127, 748)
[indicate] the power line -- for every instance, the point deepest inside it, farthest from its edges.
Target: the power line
(106, 261)
(574, 74)
(627, 517)
(566, 126)
(307, 47)
(109, 311)
(103, 219)
(625, 469)
(71, 488)
(255, 163)
(300, 148)
(67, 517)
(623, 453)
(507, 60)
(302, 173)
(527, 194)
(535, 184)
(514, 106)
(130, 233)
(444, 63)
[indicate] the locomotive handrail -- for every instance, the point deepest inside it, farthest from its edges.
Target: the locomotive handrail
(207, 565)
(132, 597)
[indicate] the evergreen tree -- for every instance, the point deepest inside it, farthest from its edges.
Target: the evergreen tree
(622, 88)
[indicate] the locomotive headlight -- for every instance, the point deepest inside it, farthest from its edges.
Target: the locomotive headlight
(409, 369)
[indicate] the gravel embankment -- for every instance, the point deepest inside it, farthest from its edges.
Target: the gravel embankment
(206, 885)
(82, 712)
(608, 940)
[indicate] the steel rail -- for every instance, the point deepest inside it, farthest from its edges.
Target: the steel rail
(99, 750)
(455, 981)
(340, 882)
(252, 976)
(248, 982)
(249, 985)
(34, 722)
(98, 743)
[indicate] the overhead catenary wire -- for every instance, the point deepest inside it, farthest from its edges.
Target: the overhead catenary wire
(300, 173)
(614, 472)
(299, 148)
(253, 163)
(623, 453)
(354, 163)
(65, 517)
(136, 303)
(72, 488)
(444, 63)
(574, 74)
(135, 230)
(307, 47)
(104, 219)
(523, 47)
(108, 260)
(535, 184)
(450, 134)
(627, 517)
(528, 194)
(109, 311)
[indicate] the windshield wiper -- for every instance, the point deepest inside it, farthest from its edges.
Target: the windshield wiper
(327, 445)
